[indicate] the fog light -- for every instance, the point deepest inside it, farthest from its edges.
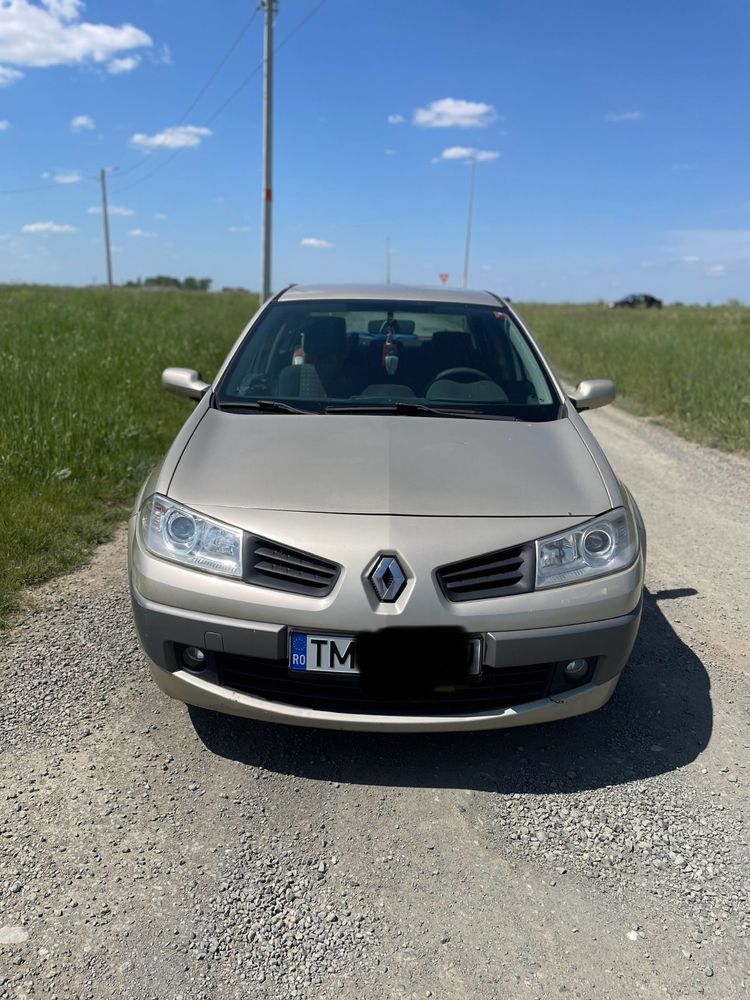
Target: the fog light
(193, 658)
(576, 670)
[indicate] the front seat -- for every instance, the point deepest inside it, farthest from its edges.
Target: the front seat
(450, 349)
(324, 341)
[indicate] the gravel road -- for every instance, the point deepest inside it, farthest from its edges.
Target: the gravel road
(152, 851)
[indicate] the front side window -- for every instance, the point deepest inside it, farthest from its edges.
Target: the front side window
(335, 356)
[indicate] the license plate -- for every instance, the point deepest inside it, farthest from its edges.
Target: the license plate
(323, 654)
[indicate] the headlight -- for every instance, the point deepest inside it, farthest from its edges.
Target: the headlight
(177, 533)
(598, 547)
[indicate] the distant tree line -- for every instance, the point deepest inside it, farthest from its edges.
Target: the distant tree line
(165, 281)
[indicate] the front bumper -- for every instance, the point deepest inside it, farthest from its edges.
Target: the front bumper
(607, 643)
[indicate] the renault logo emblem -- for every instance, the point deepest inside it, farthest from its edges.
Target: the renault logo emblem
(388, 579)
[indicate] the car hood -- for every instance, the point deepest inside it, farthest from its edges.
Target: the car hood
(359, 464)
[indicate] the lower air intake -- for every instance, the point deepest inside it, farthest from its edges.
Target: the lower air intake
(271, 679)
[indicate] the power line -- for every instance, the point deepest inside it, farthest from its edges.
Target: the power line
(222, 63)
(28, 190)
(222, 107)
(235, 93)
(48, 186)
(144, 159)
(253, 73)
(300, 25)
(176, 152)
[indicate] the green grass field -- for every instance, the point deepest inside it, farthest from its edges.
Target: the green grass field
(688, 366)
(84, 416)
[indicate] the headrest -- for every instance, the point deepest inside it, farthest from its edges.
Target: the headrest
(451, 340)
(325, 337)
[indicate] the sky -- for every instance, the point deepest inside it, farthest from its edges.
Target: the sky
(610, 143)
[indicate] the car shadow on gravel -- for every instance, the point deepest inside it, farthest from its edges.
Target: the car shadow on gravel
(659, 719)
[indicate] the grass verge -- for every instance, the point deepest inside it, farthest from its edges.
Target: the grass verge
(688, 366)
(84, 416)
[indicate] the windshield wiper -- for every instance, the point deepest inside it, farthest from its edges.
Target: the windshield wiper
(415, 410)
(263, 405)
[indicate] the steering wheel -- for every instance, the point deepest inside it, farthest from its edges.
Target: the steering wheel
(448, 372)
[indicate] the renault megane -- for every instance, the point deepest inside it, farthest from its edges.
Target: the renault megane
(387, 513)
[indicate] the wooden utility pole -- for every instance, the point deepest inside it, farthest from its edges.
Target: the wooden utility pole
(105, 216)
(269, 9)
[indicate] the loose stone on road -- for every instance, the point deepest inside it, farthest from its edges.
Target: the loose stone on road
(150, 850)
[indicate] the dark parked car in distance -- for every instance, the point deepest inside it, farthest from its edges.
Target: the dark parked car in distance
(637, 302)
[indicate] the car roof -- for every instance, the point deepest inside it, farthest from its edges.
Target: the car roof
(390, 293)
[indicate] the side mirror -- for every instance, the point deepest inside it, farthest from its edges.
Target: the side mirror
(593, 393)
(184, 382)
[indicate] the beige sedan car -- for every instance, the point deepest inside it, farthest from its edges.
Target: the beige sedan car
(387, 514)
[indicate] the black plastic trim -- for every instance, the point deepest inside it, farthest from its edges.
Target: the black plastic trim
(493, 690)
(492, 574)
(275, 566)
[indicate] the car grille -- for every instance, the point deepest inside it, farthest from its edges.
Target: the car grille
(509, 571)
(270, 679)
(278, 567)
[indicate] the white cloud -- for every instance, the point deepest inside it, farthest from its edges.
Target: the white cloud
(163, 57)
(239, 229)
(81, 122)
(452, 113)
(389, 152)
(467, 153)
(67, 177)
(623, 116)
(52, 34)
(175, 137)
(160, 215)
(141, 234)
(47, 227)
(717, 269)
(486, 155)
(727, 245)
(64, 10)
(125, 65)
(4, 125)
(8, 75)
(313, 241)
(112, 209)
(395, 119)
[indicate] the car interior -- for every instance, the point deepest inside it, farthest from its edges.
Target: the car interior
(343, 357)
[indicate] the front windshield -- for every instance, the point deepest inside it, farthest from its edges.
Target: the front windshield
(379, 356)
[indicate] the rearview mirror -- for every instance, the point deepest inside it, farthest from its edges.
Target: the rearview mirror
(184, 382)
(593, 393)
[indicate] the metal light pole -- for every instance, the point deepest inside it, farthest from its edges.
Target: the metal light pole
(105, 216)
(468, 221)
(269, 8)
